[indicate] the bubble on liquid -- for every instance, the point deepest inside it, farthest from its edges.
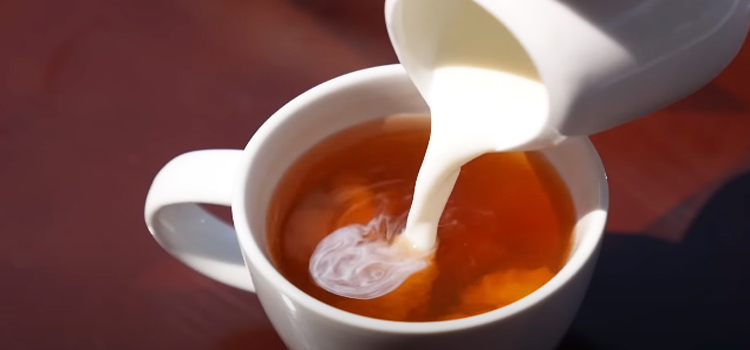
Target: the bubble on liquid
(355, 263)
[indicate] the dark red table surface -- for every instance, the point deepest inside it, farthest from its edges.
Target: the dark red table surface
(95, 96)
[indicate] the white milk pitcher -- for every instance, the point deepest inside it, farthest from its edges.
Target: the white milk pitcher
(603, 63)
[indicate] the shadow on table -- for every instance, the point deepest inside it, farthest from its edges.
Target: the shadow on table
(651, 294)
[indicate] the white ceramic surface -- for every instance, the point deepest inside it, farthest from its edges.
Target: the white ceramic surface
(603, 62)
(245, 180)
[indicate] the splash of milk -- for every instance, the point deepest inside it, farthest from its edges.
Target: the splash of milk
(351, 262)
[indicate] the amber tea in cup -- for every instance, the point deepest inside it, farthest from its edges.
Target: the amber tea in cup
(506, 230)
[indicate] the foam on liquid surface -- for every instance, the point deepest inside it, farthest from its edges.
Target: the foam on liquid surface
(360, 262)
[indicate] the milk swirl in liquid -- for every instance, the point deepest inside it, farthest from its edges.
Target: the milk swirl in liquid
(484, 96)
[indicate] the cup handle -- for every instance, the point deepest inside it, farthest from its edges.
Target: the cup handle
(187, 231)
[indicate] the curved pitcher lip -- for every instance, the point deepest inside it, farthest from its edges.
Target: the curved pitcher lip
(548, 74)
(257, 258)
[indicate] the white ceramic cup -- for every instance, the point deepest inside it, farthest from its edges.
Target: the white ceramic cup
(245, 180)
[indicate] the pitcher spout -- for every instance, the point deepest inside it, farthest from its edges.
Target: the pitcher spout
(603, 63)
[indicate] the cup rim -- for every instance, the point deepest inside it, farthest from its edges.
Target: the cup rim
(257, 258)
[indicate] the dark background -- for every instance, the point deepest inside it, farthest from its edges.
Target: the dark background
(95, 96)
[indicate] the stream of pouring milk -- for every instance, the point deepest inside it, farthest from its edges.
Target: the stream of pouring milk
(476, 108)
(474, 111)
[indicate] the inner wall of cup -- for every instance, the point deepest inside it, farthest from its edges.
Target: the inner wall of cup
(577, 163)
(330, 108)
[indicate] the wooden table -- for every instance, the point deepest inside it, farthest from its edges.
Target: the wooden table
(97, 95)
